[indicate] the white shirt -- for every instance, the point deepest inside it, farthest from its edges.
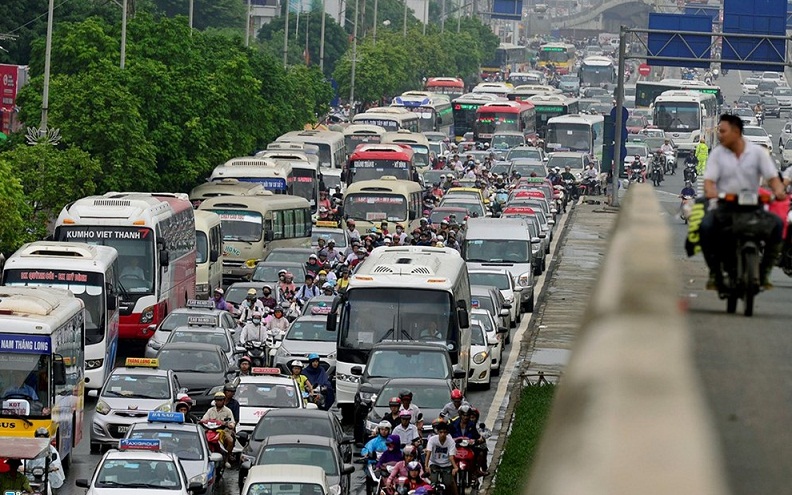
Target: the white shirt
(733, 175)
(253, 332)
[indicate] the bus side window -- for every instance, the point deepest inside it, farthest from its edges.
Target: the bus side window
(288, 224)
(214, 243)
(277, 225)
(299, 223)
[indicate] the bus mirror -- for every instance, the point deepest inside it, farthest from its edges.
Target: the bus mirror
(164, 257)
(58, 370)
(330, 326)
(112, 301)
(269, 235)
(343, 176)
(412, 215)
(332, 316)
(462, 316)
(213, 255)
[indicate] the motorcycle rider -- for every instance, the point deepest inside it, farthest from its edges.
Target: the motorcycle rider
(406, 397)
(688, 190)
(352, 232)
(392, 416)
(407, 433)
(702, 152)
(567, 174)
(302, 380)
(377, 444)
(392, 454)
(307, 291)
(183, 406)
(254, 330)
(229, 389)
(333, 255)
(223, 414)
(449, 411)
(250, 305)
(636, 167)
(278, 324)
(439, 457)
(409, 454)
(317, 376)
(666, 147)
(244, 366)
(555, 176)
(266, 298)
(328, 289)
(287, 288)
(738, 165)
(220, 302)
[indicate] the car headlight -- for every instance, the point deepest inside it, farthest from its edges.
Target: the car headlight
(154, 344)
(524, 279)
(332, 355)
(366, 395)
(200, 478)
(165, 407)
(92, 364)
(102, 407)
(147, 315)
(251, 263)
(480, 357)
(347, 378)
(335, 490)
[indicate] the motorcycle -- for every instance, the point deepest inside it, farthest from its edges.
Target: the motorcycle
(657, 173)
(213, 429)
(686, 207)
(759, 118)
(376, 477)
(466, 462)
(690, 172)
(636, 174)
(318, 396)
(669, 162)
(571, 191)
(257, 352)
(784, 212)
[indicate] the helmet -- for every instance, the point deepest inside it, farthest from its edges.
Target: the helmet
(456, 394)
(297, 363)
(219, 395)
(267, 287)
(414, 465)
(439, 424)
(251, 292)
(282, 272)
(384, 424)
(245, 359)
(464, 409)
(256, 314)
(185, 400)
(394, 401)
(475, 412)
(408, 450)
(405, 393)
(285, 305)
(219, 291)
(405, 413)
(313, 356)
(229, 387)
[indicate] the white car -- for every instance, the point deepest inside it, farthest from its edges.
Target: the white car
(786, 153)
(502, 280)
(774, 76)
(786, 133)
(758, 135)
(290, 478)
(784, 96)
(480, 360)
(495, 337)
(750, 86)
(747, 115)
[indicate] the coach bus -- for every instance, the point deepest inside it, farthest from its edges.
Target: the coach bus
(582, 132)
(390, 118)
(305, 178)
(549, 106)
(356, 134)
(453, 87)
(465, 108)
(272, 175)
(373, 161)
(502, 116)
(561, 56)
(525, 91)
(42, 365)
(224, 187)
(89, 272)
(255, 225)
(401, 293)
(434, 112)
(596, 71)
(499, 89)
(417, 142)
(647, 91)
(370, 202)
(687, 116)
(154, 234)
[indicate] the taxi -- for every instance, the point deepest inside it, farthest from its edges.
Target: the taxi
(129, 393)
(180, 318)
(138, 466)
(186, 440)
(265, 389)
(467, 192)
(288, 478)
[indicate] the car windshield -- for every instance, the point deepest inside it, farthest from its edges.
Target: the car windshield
(636, 150)
(217, 337)
(754, 131)
(425, 396)
(267, 395)
(407, 363)
(751, 82)
(310, 330)
(474, 208)
(138, 473)
(635, 122)
(499, 280)
(744, 112)
(285, 489)
(184, 443)
(269, 273)
(484, 321)
(525, 153)
(497, 251)
(238, 292)
(569, 78)
(190, 360)
(292, 425)
(137, 386)
(565, 161)
(782, 91)
(179, 319)
(788, 145)
(484, 302)
(768, 100)
(300, 454)
(525, 170)
(284, 255)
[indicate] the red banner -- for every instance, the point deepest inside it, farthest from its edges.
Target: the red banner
(9, 82)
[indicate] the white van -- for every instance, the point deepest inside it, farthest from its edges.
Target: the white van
(209, 256)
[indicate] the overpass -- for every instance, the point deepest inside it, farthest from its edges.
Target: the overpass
(609, 15)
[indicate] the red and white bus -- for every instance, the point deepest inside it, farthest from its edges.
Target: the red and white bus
(505, 116)
(154, 234)
(375, 161)
(454, 87)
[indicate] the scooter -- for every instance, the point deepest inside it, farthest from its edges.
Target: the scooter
(686, 207)
(657, 174)
(213, 429)
(669, 162)
(257, 352)
(759, 118)
(466, 461)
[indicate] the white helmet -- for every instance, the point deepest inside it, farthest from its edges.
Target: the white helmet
(297, 362)
(384, 424)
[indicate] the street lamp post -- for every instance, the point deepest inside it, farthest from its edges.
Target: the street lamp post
(374, 32)
(47, 56)
(322, 34)
(286, 35)
(247, 24)
(123, 33)
(191, 16)
(354, 59)
(405, 19)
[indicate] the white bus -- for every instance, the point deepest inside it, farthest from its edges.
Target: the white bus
(499, 89)
(305, 178)
(223, 187)
(389, 118)
(357, 134)
(271, 175)
(434, 110)
(596, 71)
(685, 116)
(416, 141)
(580, 132)
(394, 295)
(331, 148)
(209, 253)
(89, 272)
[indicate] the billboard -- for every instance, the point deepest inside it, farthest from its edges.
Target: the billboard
(672, 44)
(510, 10)
(760, 17)
(12, 77)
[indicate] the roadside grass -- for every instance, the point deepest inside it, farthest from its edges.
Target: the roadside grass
(530, 417)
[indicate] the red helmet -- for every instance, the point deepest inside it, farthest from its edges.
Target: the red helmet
(456, 394)
(394, 401)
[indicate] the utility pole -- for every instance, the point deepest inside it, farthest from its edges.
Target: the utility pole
(374, 32)
(405, 19)
(286, 35)
(191, 15)
(307, 57)
(425, 16)
(123, 33)
(247, 25)
(443, 16)
(619, 121)
(354, 60)
(47, 57)
(322, 34)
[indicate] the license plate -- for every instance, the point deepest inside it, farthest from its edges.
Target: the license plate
(123, 429)
(748, 198)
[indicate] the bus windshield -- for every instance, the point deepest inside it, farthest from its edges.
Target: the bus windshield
(491, 122)
(240, 225)
(387, 124)
(25, 383)
(596, 74)
(376, 207)
(375, 169)
(303, 184)
(464, 117)
(677, 116)
(555, 55)
(87, 286)
(575, 137)
(497, 251)
(135, 248)
(374, 315)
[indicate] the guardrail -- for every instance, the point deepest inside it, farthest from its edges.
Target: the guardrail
(629, 416)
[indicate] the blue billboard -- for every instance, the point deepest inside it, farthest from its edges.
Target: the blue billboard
(510, 10)
(760, 17)
(682, 46)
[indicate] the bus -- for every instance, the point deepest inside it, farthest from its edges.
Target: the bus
(507, 56)
(255, 225)
(305, 179)
(209, 253)
(272, 175)
(390, 118)
(397, 292)
(559, 55)
(647, 91)
(355, 134)
(332, 153)
(373, 161)
(465, 108)
(596, 71)
(453, 87)
(525, 91)
(41, 354)
(154, 234)
(582, 132)
(416, 141)
(503, 116)
(549, 106)
(531, 77)
(369, 202)
(224, 187)
(434, 112)
(500, 89)
(89, 272)
(686, 116)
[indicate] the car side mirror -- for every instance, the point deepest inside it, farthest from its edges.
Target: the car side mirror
(502, 329)
(269, 235)
(216, 457)
(243, 437)
(458, 373)
(348, 469)
(504, 311)
(492, 340)
(347, 440)
(357, 370)
(82, 483)
(542, 236)
(535, 240)
(213, 255)
(196, 487)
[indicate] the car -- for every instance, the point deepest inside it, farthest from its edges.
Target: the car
(495, 336)
(766, 87)
(593, 91)
(773, 76)
(759, 136)
(750, 85)
(747, 115)
(480, 360)
(500, 167)
(139, 467)
(771, 107)
(318, 305)
(576, 161)
(639, 149)
(784, 96)
(429, 394)
(536, 154)
(290, 254)
(434, 176)
(307, 334)
(490, 298)
(338, 235)
(303, 450)
(527, 166)
(439, 213)
(749, 101)
(472, 206)
(286, 479)
(201, 333)
(539, 251)
(569, 84)
(585, 104)
(600, 108)
(291, 421)
(200, 368)
(786, 133)
(263, 390)
(501, 279)
(524, 198)
(636, 123)
(629, 95)
(266, 272)
(786, 153)
(653, 132)
(237, 292)
(506, 140)
(127, 396)
(186, 440)
(179, 318)
(466, 192)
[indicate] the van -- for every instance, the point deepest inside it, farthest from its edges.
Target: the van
(209, 253)
(503, 243)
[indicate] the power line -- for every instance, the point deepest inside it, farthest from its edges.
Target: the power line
(34, 19)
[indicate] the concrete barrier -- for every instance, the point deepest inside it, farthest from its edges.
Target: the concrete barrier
(629, 416)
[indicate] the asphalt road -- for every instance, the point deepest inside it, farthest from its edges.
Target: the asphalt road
(745, 364)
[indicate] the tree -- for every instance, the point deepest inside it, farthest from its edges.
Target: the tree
(15, 210)
(206, 13)
(381, 69)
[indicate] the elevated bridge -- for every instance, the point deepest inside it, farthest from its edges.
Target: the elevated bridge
(609, 15)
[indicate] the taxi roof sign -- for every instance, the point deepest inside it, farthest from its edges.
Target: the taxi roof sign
(201, 321)
(165, 417)
(537, 180)
(529, 193)
(518, 210)
(149, 444)
(136, 362)
(265, 371)
(200, 303)
(321, 310)
(331, 224)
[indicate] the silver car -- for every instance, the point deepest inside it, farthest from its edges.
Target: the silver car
(306, 335)
(501, 279)
(179, 318)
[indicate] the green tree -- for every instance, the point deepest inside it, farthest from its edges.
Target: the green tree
(207, 13)
(381, 69)
(15, 208)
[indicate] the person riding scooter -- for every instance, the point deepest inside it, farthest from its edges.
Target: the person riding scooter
(317, 376)
(224, 415)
